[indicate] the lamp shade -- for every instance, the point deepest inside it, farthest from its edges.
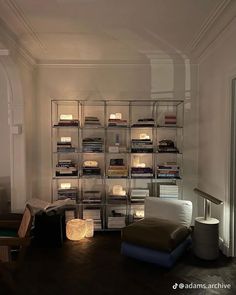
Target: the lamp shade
(75, 229)
(89, 228)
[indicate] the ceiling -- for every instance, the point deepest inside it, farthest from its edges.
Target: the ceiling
(107, 30)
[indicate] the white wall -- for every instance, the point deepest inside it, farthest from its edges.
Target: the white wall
(216, 70)
(162, 80)
(5, 172)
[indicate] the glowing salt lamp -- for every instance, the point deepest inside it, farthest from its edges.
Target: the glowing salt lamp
(89, 228)
(76, 229)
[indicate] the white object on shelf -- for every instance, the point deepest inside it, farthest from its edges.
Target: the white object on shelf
(112, 116)
(66, 185)
(144, 136)
(66, 117)
(117, 190)
(65, 139)
(118, 116)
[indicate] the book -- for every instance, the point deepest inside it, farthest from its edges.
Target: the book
(40, 205)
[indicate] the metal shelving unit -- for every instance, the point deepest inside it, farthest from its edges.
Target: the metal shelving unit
(131, 112)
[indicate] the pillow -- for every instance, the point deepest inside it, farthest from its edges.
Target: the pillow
(179, 211)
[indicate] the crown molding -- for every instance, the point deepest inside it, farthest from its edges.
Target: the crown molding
(24, 22)
(13, 45)
(220, 38)
(207, 24)
(212, 28)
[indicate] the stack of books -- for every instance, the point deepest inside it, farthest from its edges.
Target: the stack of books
(93, 145)
(117, 198)
(66, 168)
(145, 122)
(170, 120)
(144, 172)
(167, 146)
(91, 171)
(168, 170)
(65, 147)
(95, 214)
(91, 122)
(67, 121)
(117, 168)
(64, 193)
(169, 191)
(116, 220)
(117, 123)
(92, 196)
(141, 146)
(138, 195)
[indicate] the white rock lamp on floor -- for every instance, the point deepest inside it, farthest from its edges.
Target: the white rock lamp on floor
(89, 228)
(76, 229)
(206, 230)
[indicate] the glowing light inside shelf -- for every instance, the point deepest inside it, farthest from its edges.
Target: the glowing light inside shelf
(112, 116)
(144, 136)
(141, 165)
(66, 185)
(136, 162)
(65, 139)
(117, 116)
(66, 117)
(117, 190)
(139, 213)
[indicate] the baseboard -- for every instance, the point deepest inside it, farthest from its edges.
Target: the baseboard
(224, 248)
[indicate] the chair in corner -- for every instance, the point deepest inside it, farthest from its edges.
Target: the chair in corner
(163, 235)
(20, 240)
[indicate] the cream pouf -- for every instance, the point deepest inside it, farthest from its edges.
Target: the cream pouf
(76, 229)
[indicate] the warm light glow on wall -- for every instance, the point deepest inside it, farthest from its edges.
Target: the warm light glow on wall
(117, 190)
(76, 229)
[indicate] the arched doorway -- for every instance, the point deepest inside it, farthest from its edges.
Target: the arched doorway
(13, 97)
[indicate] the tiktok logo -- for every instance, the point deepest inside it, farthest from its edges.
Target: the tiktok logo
(175, 286)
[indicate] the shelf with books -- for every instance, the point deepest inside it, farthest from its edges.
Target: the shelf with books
(92, 113)
(135, 147)
(64, 188)
(116, 216)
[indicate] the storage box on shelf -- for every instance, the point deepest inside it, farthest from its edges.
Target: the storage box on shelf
(108, 156)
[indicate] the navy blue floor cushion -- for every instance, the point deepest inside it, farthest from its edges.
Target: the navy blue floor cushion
(161, 258)
(155, 240)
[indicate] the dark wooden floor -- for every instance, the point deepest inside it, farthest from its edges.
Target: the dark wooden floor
(95, 266)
